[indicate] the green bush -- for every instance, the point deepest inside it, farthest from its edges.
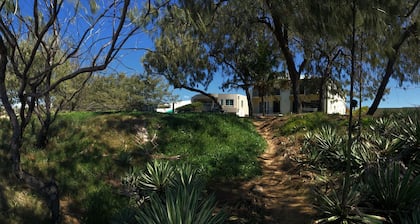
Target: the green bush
(87, 150)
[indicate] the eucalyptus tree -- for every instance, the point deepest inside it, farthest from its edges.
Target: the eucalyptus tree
(92, 34)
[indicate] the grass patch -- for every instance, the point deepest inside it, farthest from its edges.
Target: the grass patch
(223, 146)
(89, 151)
(302, 123)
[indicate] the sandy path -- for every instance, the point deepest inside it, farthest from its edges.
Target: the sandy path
(282, 189)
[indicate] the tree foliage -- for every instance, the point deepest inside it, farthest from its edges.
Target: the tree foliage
(119, 92)
(180, 55)
(37, 40)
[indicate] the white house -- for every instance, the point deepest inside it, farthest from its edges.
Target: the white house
(231, 103)
(280, 99)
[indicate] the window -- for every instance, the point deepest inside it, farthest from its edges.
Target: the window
(275, 91)
(301, 89)
(255, 92)
(221, 102)
(242, 104)
(229, 102)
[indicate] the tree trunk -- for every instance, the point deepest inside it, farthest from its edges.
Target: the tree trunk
(262, 92)
(295, 90)
(49, 191)
(249, 99)
(280, 32)
(215, 101)
(42, 136)
(390, 68)
(321, 93)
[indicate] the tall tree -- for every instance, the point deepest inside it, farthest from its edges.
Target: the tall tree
(399, 55)
(246, 52)
(279, 19)
(120, 92)
(92, 33)
(323, 39)
(179, 54)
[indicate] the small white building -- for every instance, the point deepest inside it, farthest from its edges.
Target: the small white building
(170, 107)
(279, 100)
(231, 103)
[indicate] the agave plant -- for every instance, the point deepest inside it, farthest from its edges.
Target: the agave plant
(156, 177)
(181, 205)
(341, 207)
(325, 148)
(175, 194)
(413, 218)
(364, 154)
(410, 139)
(183, 201)
(384, 126)
(394, 189)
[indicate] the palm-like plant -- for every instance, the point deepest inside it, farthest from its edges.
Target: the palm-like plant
(157, 176)
(333, 210)
(140, 184)
(410, 139)
(175, 194)
(394, 189)
(325, 148)
(364, 153)
(413, 218)
(180, 205)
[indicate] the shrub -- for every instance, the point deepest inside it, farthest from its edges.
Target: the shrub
(310, 122)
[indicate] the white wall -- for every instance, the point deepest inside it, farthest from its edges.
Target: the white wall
(285, 101)
(173, 104)
(240, 104)
(336, 105)
(239, 107)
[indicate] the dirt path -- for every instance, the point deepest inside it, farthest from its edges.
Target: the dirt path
(278, 196)
(283, 188)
